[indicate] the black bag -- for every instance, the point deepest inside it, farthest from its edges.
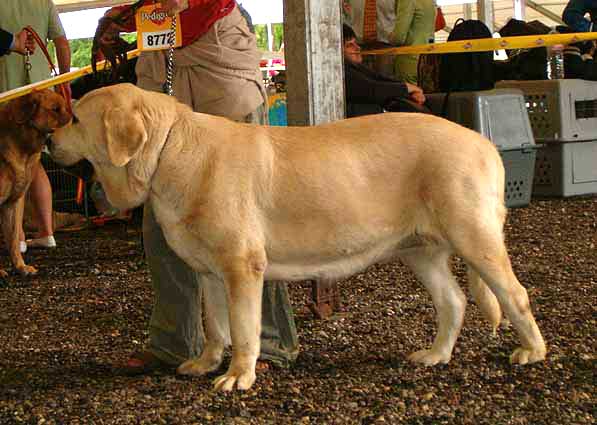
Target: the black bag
(522, 64)
(467, 71)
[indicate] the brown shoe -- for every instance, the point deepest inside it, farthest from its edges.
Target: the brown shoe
(263, 366)
(144, 362)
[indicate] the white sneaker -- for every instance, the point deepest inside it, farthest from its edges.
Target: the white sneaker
(45, 242)
(23, 247)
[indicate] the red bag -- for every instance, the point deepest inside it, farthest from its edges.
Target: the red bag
(440, 21)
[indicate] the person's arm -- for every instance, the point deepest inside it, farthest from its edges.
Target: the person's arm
(62, 54)
(6, 41)
(415, 93)
(574, 14)
(57, 35)
(126, 21)
(362, 88)
(176, 6)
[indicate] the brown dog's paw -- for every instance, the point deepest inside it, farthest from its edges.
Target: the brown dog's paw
(26, 270)
(3, 274)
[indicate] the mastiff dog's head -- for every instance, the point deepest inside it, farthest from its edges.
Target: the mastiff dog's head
(119, 129)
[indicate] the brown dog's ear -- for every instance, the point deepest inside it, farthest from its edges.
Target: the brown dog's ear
(125, 135)
(24, 108)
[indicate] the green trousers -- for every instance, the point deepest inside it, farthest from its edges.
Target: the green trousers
(415, 24)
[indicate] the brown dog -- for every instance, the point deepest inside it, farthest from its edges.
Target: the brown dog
(24, 126)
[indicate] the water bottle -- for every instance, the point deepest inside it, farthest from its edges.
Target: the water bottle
(555, 61)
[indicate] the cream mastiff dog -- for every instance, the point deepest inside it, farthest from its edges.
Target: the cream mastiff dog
(242, 203)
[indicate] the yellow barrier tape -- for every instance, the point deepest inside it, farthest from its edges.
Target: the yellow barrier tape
(54, 81)
(487, 44)
(460, 46)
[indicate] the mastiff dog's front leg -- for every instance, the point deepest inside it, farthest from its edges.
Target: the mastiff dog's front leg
(243, 280)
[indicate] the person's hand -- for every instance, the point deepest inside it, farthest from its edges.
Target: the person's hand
(23, 42)
(415, 93)
(107, 29)
(418, 97)
(174, 6)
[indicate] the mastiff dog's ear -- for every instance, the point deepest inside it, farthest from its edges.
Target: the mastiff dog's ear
(125, 135)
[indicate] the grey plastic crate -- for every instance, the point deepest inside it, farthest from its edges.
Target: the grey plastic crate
(560, 110)
(566, 169)
(501, 116)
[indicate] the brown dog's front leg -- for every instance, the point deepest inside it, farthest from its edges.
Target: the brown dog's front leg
(12, 219)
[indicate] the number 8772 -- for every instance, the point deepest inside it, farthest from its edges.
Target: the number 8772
(157, 40)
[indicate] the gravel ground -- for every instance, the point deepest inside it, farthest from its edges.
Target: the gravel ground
(64, 332)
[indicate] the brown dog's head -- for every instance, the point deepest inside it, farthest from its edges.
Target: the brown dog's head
(44, 110)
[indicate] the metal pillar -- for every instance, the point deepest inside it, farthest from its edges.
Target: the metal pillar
(314, 67)
(315, 89)
(519, 9)
(270, 37)
(467, 11)
(485, 13)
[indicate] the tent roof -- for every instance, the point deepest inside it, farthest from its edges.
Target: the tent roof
(72, 5)
(503, 9)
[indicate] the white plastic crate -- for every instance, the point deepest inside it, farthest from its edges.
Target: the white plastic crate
(566, 169)
(560, 110)
(500, 115)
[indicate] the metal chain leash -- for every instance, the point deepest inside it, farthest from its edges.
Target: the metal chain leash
(168, 88)
(28, 66)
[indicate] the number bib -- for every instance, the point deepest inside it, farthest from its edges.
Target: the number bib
(154, 27)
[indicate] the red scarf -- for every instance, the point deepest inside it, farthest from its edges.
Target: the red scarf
(196, 20)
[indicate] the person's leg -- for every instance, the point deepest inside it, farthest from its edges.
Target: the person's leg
(175, 327)
(405, 15)
(420, 31)
(279, 340)
(40, 194)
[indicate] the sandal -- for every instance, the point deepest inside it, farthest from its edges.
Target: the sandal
(263, 366)
(144, 362)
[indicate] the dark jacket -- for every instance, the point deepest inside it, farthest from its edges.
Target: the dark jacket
(574, 14)
(367, 92)
(577, 66)
(5, 41)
